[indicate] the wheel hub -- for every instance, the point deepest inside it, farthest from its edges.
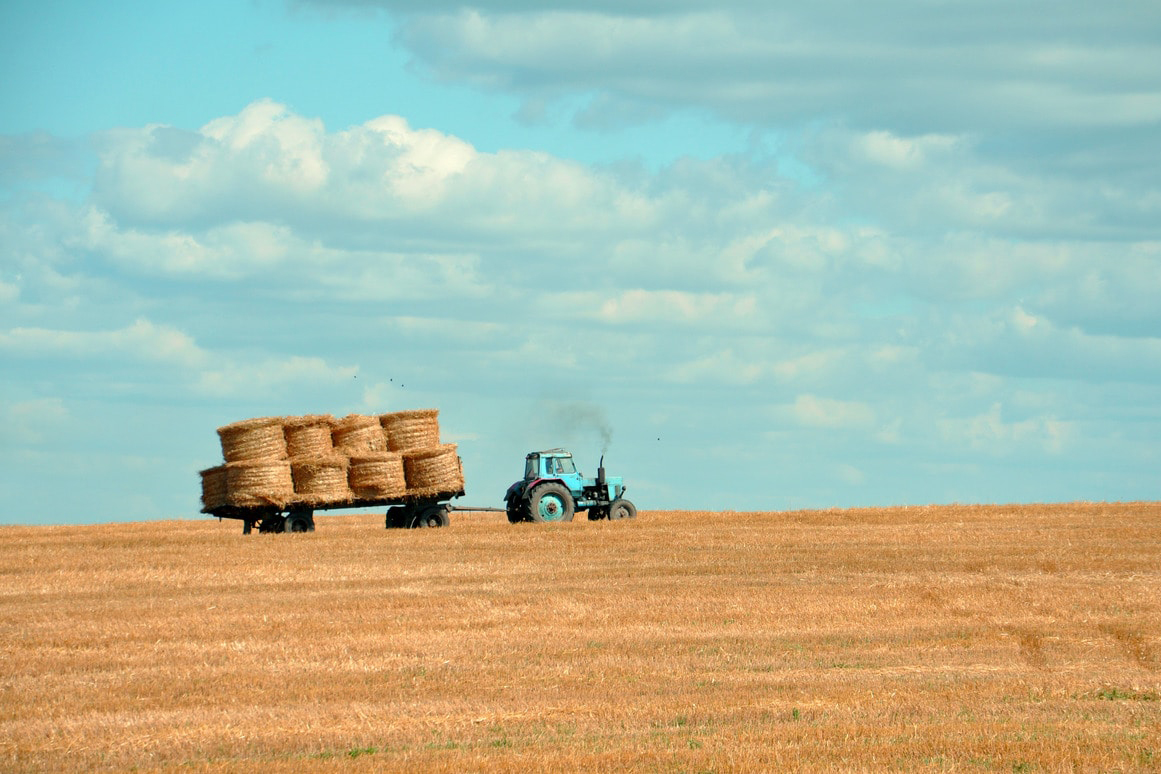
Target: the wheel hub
(551, 508)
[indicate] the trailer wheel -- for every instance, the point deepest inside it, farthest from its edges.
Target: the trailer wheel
(273, 523)
(550, 502)
(622, 509)
(396, 517)
(431, 516)
(299, 521)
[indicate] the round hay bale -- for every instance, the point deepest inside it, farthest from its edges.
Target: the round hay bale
(377, 476)
(213, 488)
(357, 434)
(433, 470)
(408, 430)
(309, 436)
(253, 439)
(259, 482)
(321, 480)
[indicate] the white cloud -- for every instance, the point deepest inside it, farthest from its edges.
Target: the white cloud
(989, 432)
(723, 367)
(1015, 342)
(890, 150)
(32, 421)
(143, 340)
(815, 411)
(907, 65)
(286, 148)
(268, 164)
(250, 379)
(849, 474)
(228, 251)
(668, 307)
(809, 365)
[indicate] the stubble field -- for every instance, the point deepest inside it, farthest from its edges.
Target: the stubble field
(953, 638)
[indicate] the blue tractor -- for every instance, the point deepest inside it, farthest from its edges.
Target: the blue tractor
(554, 490)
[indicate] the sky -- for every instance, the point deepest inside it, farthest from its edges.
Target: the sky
(761, 255)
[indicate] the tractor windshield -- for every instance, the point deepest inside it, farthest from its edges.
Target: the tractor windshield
(532, 467)
(561, 466)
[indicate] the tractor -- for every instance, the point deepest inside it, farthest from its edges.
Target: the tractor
(554, 490)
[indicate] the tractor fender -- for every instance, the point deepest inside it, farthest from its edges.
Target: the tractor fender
(521, 489)
(516, 490)
(530, 485)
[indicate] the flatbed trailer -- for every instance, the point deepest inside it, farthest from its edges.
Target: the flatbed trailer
(409, 511)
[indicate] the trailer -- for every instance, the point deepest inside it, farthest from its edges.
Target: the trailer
(280, 492)
(409, 511)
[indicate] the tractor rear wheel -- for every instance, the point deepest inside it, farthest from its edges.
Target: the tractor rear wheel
(515, 511)
(550, 502)
(622, 509)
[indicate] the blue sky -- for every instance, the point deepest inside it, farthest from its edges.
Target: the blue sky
(836, 255)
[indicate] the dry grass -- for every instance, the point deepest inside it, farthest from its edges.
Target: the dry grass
(942, 639)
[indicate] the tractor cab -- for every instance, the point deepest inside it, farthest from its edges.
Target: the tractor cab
(555, 463)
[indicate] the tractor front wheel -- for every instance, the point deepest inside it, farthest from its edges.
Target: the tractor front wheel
(622, 509)
(550, 502)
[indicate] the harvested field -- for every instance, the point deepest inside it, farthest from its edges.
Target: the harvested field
(958, 638)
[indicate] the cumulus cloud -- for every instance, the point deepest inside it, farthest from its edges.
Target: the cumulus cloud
(928, 116)
(31, 421)
(1019, 343)
(143, 340)
(817, 411)
(250, 379)
(381, 182)
(989, 432)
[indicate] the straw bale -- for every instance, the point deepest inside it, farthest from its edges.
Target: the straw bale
(357, 434)
(253, 439)
(259, 482)
(377, 476)
(309, 436)
(214, 487)
(408, 430)
(320, 480)
(433, 470)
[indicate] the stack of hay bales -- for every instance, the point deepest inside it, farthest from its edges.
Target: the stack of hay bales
(257, 467)
(319, 468)
(429, 467)
(318, 460)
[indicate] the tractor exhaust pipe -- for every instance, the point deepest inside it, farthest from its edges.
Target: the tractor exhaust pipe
(601, 472)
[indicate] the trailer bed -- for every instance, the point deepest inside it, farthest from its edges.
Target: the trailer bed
(425, 508)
